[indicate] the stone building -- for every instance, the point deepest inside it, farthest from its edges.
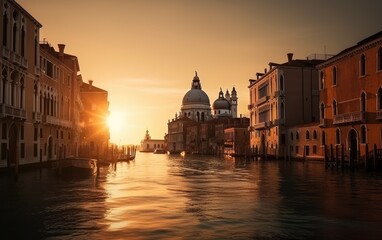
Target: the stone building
(20, 81)
(149, 145)
(283, 96)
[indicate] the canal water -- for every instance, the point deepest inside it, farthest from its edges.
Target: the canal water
(193, 197)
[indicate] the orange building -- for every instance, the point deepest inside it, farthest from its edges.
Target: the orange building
(351, 98)
(95, 135)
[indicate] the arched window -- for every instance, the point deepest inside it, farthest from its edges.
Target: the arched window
(198, 116)
(363, 102)
(203, 116)
(322, 80)
(14, 39)
(334, 76)
(297, 136)
(338, 137)
(362, 67)
(363, 134)
(323, 138)
(307, 135)
(379, 96)
(281, 83)
(5, 29)
(379, 59)
(322, 111)
(22, 41)
(334, 107)
(314, 134)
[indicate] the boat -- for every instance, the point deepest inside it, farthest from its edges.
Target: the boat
(127, 154)
(81, 165)
(160, 151)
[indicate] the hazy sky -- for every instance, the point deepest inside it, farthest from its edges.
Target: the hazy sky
(145, 52)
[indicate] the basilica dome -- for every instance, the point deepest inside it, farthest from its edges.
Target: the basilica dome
(195, 95)
(221, 103)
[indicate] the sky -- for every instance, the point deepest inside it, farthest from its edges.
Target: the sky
(145, 52)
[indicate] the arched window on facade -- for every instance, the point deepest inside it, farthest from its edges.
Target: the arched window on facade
(314, 134)
(281, 83)
(202, 116)
(363, 134)
(307, 135)
(323, 138)
(334, 107)
(297, 136)
(322, 111)
(379, 59)
(334, 76)
(322, 80)
(363, 102)
(362, 67)
(5, 29)
(338, 136)
(22, 42)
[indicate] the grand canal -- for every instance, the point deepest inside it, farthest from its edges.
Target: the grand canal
(193, 197)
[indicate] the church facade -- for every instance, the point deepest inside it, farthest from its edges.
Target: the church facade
(198, 127)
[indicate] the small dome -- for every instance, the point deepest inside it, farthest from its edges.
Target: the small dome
(221, 103)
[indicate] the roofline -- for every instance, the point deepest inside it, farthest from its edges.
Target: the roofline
(26, 13)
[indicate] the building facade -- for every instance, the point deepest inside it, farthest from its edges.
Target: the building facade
(351, 98)
(149, 145)
(286, 95)
(20, 75)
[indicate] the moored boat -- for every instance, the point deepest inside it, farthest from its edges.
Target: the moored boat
(85, 165)
(160, 151)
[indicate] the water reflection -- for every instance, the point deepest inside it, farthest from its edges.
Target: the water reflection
(194, 197)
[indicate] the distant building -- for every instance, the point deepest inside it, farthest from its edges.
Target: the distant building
(285, 96)
(149, 145)
(196, 130)
(96, 134)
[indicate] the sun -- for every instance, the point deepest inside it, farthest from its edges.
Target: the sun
(115, 121)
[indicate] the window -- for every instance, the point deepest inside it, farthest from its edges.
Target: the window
(297, 136)
(263, 91)
(322, 80)
(3, 151)
(322, 111)
(379, 99)
(334, 107)
(314, 134)
(338, 137)
(379, 59)
(5, 29)
(4, 131)
(291, 136)
(363, 102)
(362, 67)
(323, 138)
(22, 150)
(282, 115)
(281, 83)
(314, 149)
(363, 134)
(307, 135)
(283, 138)
(334, 76)
(296, 149)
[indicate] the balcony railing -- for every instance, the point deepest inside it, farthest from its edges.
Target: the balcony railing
(349, 118)
(323, 122)
(11, 111)
(16, 58)
(261, 125)
(262, 100)
(379, 114)
(6, 52)
(37, 117)
(57, 122)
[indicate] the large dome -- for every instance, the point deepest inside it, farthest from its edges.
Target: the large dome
(196, 96)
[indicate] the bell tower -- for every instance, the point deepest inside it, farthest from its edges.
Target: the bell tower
(234, 103)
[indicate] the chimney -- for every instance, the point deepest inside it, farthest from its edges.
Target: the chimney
(90, 84)
(61, 48)
(290, 57)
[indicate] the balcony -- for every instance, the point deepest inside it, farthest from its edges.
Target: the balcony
(379, 114)
(16, 58)
(50, 120)
(6, 52)
(13, 112)
(262, 100)
(323, 122)
(37, 117)
(261, 125)
(347, 118)
(37, 70)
